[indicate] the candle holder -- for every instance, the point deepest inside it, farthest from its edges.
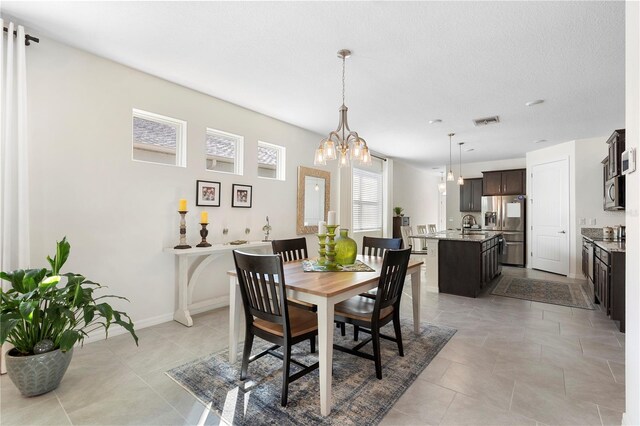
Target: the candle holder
(183, 231)
(203, 234)
(331, 247)
(322, 242)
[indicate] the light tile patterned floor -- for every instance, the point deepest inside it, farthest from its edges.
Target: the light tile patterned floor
(512, 362)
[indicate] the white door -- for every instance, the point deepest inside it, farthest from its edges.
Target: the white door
(549, 207)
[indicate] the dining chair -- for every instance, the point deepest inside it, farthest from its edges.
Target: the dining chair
(269, 315)
(374, 246)
(431, 228)
(369, 315)
(418, 246)
(291, 249)
(422, 229)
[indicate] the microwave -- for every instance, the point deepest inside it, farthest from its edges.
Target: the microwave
(614, 193)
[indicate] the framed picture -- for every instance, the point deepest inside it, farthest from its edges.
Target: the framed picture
(207, 193)
(241, 196)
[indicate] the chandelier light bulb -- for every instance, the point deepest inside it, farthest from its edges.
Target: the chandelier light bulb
(329, 150)
(366, 156)
(319, 160)
(344, 158)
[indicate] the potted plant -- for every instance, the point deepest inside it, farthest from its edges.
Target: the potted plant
(44, 314)
(398, 211)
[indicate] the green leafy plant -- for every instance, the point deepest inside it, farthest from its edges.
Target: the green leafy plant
(43, 304)
(398, 210)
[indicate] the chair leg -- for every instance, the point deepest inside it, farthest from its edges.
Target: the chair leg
(396, 326)
(246, 353)
(286, 359)
(356, 329)
(312, 342)
(375, 335)
(342, 330)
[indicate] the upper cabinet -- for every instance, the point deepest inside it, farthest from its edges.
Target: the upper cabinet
(504, 182)
(616, 144)
(471, 195)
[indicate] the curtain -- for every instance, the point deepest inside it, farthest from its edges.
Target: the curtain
(14, 184)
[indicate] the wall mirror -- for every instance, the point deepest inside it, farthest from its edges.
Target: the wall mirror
(314, 190)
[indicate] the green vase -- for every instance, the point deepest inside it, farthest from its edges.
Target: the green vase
(346, 249)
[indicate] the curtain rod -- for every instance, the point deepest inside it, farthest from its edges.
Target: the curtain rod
(27, 38)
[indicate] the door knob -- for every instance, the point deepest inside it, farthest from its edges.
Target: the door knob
(561, 232)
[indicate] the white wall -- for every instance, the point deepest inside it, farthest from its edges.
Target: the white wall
(416, 191)
(470, 171)
(632, 339)
(119, 214)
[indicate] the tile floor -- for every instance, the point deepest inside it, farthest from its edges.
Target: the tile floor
(512, 362)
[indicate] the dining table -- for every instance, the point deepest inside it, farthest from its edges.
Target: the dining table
(323, 289)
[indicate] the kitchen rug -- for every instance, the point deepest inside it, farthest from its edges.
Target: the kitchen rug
(359, 397)
(545, 291)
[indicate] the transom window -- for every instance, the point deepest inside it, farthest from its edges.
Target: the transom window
(224, 151)
(271, 161)
(158, 139)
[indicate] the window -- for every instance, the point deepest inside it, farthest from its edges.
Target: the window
(224, 152)
(159, 139)
(367, 200)
(271, 161)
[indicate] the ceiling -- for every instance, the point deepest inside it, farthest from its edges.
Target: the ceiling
(412, 62)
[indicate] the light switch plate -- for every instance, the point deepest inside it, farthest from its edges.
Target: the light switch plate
(592, 221)
(583, 221)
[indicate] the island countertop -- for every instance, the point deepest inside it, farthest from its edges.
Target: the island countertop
(474, 236)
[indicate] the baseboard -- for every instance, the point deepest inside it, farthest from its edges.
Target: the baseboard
(433, 289)
(209, 304)
(116, 330)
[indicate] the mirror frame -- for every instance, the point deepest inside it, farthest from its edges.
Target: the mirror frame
(302, 173)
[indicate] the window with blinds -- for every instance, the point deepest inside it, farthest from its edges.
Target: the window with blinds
(367, 200)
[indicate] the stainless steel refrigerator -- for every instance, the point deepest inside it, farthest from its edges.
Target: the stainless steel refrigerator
(507, 214)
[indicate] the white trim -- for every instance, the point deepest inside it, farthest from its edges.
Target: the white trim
(209, 304)
(116, 330)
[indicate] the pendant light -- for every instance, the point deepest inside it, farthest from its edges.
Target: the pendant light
(450, 177)
(460, 179)
(343, 143)
(442, 185)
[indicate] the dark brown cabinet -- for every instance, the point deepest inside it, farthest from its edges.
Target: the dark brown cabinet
(616, 144)
(466, 267)
(471, 195)
(399, 221)
(504, 182)
(609, 283)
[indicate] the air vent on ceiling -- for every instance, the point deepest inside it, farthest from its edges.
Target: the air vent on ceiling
(485, 121)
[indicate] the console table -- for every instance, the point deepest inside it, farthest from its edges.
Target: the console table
(191, 262)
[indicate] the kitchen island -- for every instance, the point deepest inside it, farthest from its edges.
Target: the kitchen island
(462, 263)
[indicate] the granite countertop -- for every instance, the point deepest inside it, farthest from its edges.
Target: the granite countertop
(474, 236)
(608, 245)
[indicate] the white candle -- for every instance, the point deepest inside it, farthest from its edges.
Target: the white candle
(322, 227)
(331, 218)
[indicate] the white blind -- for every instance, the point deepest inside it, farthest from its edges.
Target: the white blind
(367, 200)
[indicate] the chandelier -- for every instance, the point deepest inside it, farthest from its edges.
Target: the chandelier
(342, 143)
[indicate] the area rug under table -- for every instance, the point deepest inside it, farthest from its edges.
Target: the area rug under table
(545, 291)
(359, 398)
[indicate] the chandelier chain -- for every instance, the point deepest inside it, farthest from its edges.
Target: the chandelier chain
(343, 66)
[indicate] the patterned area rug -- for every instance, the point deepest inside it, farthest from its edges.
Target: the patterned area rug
(359, 398)
(556, 293)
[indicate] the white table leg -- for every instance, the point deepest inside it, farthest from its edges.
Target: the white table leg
(325, 340)
(415, 293)
(235, 312)
(182, 314)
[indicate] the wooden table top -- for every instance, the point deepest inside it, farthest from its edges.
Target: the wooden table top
(329, 284)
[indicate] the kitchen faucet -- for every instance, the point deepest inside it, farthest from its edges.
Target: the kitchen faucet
(471, 222)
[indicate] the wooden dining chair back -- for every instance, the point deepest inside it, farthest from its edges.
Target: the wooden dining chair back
(370, 315)
(391, 282)
(422, 229)
(269, 316)
(374, 246)
(291, 249)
